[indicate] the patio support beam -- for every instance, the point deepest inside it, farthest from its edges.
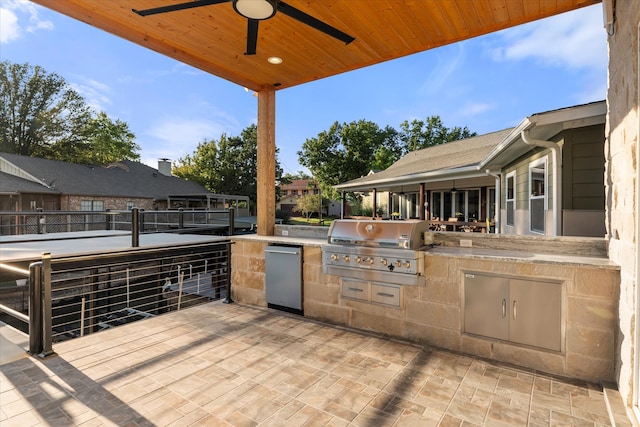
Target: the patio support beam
(266, 179)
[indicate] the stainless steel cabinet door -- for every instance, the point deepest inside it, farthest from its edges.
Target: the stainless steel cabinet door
(535, 309)
(486, 300)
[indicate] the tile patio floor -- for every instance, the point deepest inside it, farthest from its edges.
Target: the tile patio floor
(232, 365)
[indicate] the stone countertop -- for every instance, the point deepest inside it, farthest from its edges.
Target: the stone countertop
(301, 241)
(522, 256)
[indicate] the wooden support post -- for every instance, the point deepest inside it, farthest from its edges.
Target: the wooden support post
(266, 184)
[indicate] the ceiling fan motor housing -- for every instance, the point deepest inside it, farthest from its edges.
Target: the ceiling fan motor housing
(256, 9)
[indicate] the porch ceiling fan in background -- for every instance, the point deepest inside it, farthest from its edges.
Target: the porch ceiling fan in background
(256, 11)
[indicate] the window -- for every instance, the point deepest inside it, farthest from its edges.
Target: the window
(91, 205)
(537, 194)
(130, 205)
(510, 197)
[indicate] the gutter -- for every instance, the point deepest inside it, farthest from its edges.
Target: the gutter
(557, 166)
(497, 199)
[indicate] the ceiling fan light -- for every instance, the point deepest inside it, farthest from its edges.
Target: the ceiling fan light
(255, 9)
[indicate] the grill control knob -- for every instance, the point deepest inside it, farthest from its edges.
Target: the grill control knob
(334, 257)
(346, 258)
(358, 260)
(370, 260)
(384, 261)
(407, 264)
(398, 263)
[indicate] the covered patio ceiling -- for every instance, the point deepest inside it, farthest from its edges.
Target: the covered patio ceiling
(213, 38)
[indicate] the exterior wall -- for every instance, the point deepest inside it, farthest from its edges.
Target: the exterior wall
(621, 186)
(583, 198)
(73, 203)
(521, 219)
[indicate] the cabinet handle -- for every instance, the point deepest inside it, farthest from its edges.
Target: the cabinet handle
(504, 308)
(355, 289)
(515, 311)
(382, 294)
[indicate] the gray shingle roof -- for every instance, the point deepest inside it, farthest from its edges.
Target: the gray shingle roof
(10, 184)
(452, 155)
(122, 179)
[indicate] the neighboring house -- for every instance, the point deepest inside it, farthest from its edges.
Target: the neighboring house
(292, 192)
(514, 177)
(30, 183)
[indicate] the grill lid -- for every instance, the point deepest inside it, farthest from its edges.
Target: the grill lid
(405, 234)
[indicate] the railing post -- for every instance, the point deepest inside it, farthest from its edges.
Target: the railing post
(232, 221)
(41, 222)
(180, 219)
(135, 231)
(35, 308)
(107, 218)
(228, 299)
(47, 323)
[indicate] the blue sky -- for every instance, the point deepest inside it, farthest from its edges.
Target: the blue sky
(487, 84)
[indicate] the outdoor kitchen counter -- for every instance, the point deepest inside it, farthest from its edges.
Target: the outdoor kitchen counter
(523, 257)
(582, 278)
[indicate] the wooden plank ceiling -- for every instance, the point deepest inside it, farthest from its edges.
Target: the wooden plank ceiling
(213, 38)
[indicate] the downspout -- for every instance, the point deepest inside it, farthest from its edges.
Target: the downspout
(557, 165)
(497, 200)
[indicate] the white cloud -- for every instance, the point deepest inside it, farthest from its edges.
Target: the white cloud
(575, 40)
(13, 13)
(474, 109)
(176, 137)
(449, 60)
(9, 28)
(93, 92)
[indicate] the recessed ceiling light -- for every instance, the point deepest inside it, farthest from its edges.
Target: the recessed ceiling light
(274, 60)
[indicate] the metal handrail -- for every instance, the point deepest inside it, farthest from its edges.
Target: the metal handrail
(41, 222)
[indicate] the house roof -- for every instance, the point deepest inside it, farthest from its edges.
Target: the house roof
(437, 161)
(11, 184)
(213, 38)
(122, 179)
(471, 157)
(296, 184)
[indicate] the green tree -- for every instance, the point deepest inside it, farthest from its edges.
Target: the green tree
(226, 166)
(41, 116)
(347, 151)
(307, 205)
(109, 141)
(39, 112)
(419, 134)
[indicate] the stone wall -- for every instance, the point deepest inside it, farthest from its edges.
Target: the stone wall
(621, 187)
(433, 313)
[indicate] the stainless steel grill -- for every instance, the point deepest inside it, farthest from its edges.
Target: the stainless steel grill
(379, 251)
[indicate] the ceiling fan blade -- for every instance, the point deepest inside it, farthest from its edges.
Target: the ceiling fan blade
(179, 6)
(252, 36)
(313, 22)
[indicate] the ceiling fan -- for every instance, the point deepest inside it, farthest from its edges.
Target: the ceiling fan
(256, 11)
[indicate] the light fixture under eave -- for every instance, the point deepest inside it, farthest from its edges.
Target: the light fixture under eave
(256, 9)
(454, 189)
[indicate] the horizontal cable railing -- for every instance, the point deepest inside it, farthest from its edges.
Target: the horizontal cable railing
(73, 296)
(41, 222)
(90, 295)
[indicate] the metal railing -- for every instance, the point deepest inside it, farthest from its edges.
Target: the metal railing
(221, 222)
(73, 296)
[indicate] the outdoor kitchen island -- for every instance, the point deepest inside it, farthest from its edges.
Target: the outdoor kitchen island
(570, 283)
